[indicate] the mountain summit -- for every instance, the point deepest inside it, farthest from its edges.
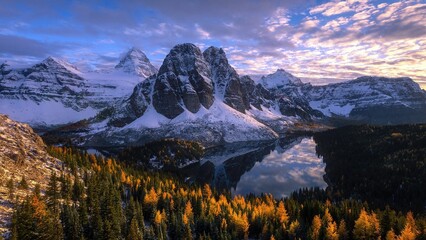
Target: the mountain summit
(279, 79)
(136, 62)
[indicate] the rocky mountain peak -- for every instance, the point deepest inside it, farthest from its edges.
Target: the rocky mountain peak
(226, 80)
(53, 63)
(136, 62)
(183, 59)
(279, 79)
(183, 81)
(220, 69)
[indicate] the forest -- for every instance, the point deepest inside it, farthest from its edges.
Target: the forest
(383, 165)
(102, 198)
(166, 154)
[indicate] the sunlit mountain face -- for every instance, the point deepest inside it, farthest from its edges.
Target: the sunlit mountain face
(318, 41)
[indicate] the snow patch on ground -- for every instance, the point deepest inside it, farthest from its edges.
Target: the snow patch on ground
(150, 119)
(265, 113)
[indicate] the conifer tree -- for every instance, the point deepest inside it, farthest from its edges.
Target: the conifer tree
(315, 228)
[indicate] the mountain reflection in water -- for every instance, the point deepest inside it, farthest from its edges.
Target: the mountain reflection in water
(278, 168)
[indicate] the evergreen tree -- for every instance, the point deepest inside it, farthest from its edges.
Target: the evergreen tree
(390, 235)
(410, 230)
(11, 188)
(134, 233)
(52, 194)
(315, 228)
(23, 183)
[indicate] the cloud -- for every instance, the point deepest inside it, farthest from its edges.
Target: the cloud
(332, 8)
(334, 40)
(21, 46)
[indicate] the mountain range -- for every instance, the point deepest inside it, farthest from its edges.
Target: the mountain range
(194, 95)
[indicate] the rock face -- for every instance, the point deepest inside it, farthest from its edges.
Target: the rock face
(183, 81)
(256, 94)
(136, 62)
(23, 154)
(227, 82)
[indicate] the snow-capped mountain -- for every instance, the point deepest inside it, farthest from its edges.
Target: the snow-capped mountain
(366, 99)
(180, 101)
(195, 95)
(136, 62)
(199, 96)
(54, 92)
(280, 79)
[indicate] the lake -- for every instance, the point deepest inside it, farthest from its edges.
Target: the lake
(276, 167)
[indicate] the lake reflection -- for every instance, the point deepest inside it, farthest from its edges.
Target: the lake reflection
(278, 168)
(281, 173)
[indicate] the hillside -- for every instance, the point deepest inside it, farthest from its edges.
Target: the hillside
(23, 155)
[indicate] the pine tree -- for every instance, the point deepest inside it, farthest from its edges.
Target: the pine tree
(23, 183)
(52, 194)
(343, 233)
(71, 222)
(410, 231)
(11, 188)
(134, 233)
(282, 214)
(331, 231)
(315, 228)
(390, 235)
(366, 226)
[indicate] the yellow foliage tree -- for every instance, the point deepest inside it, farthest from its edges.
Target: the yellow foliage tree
(410, 231)
(331, 231)
(282, 213)
(366, 226)
(390, 235)
(315, 228)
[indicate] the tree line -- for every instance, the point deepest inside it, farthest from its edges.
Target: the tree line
(101, 198)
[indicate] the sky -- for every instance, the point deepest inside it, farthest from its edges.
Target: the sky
(318, 41)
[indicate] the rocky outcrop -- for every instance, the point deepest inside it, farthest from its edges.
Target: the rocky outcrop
(22, 155)
(227, 82)
(256, 94)
(183, 82)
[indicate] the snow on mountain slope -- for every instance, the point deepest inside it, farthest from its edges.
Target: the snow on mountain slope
(44, 113)
(376, 99)
(177, 102)
(136, 62)
(54, 92)
(280, 79)
(216, 125)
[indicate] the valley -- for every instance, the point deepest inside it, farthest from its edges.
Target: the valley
(94, 197)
